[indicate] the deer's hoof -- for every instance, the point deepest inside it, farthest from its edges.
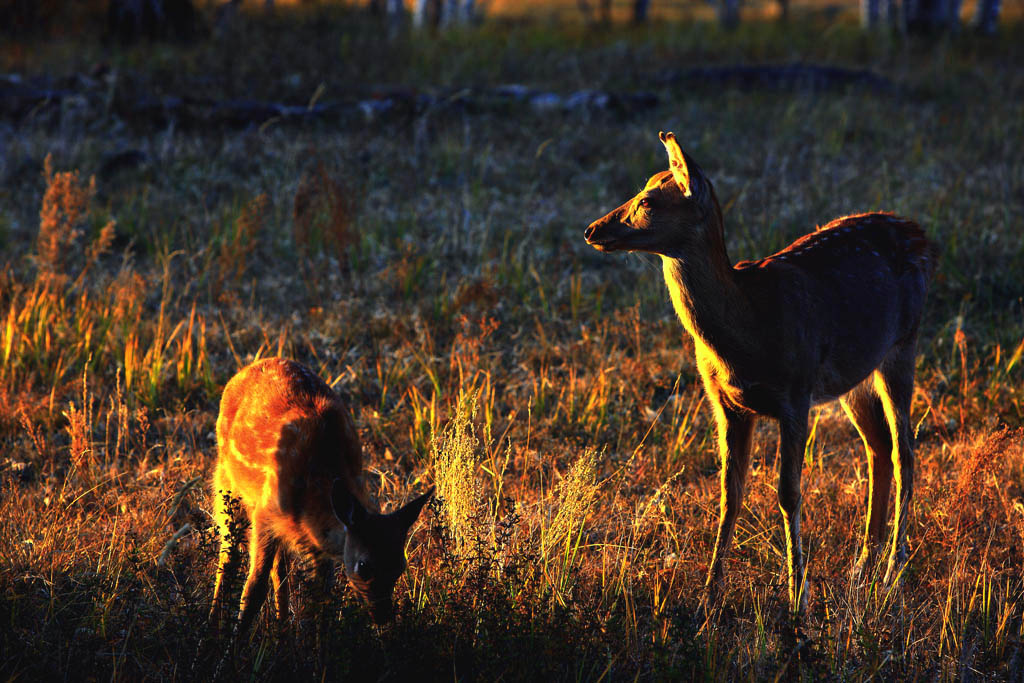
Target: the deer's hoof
(708, 599)
(708, 607)
(798, 602)
(805, 596)
(862, 567)
(711, 596)
(894, 572)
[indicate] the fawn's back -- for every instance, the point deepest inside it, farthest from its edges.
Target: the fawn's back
(283, 438)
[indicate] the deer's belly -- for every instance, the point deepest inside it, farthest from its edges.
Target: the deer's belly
(832, 383)
(755, 397)
(774, 398)
(819, 397)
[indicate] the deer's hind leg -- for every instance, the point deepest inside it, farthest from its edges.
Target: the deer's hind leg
(792, 439)
(279, 577)
(865, 410)
(222, 523)
(894, 384)
(263, 547)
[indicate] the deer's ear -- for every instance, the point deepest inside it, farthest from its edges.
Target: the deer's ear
(677, 162)
(411, 510)
(347, 507)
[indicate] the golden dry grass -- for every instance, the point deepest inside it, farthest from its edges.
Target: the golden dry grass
(546, 390)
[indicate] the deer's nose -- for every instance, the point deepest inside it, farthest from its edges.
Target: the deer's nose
(382, 612)
(589, 232)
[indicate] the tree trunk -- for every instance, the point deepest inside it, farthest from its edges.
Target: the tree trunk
(421, 12)
(986, 17)
(640, 10)
(929, 16)
(894, 16)
(869, 13)
(604, 11)
(948, 18)
(133, 20)
(440, 13)
(729, 13)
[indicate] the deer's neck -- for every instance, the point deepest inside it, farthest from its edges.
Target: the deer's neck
(709, 302)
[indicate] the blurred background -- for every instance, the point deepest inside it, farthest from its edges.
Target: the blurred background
(129, 20)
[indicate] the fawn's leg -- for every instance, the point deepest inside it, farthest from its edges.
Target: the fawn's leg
(222, 522)
(279, 576)
(865, 410)
(792, 440)
(262, 550)
(323, 582)
(734, 433)
(894, 383)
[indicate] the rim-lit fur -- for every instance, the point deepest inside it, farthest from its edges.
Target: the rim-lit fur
(288, 450)
(833, 315)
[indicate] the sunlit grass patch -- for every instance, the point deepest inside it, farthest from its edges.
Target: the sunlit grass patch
(431, 267)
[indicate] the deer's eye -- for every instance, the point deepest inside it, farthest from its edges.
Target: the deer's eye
(362, 569)
(644, 203)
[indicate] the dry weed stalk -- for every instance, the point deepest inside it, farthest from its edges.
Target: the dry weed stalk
(322, 215)
(240, 240)
(35, 434)
(66, 204)
(972, 503)
(79, 428)
(455, 456)
(129, 290)
(575, 496)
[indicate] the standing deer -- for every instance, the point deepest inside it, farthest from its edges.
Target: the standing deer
(833, 315)
(288, 449)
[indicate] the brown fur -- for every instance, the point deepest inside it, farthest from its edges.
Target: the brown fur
(288, 449)
(835, 314)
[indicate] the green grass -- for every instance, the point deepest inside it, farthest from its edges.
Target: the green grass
(457, 275)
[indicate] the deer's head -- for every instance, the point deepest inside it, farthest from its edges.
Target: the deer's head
(675, 213)
(374, 555)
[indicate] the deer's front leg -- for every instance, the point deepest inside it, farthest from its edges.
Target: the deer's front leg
(792, 439)
(734, 433)
(323, 582)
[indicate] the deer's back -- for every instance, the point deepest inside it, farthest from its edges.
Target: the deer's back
(857, 284)
(282, 432)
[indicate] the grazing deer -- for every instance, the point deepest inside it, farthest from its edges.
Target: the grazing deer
(287, 447)
(833, 315)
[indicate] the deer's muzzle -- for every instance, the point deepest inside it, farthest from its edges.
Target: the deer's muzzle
(380, 604)
(383, 611)
(606, 233)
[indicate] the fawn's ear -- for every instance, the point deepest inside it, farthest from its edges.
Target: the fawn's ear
(347, 507)
(411, 510)
(677, 162)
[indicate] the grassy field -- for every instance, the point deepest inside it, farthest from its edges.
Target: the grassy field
(429, 263)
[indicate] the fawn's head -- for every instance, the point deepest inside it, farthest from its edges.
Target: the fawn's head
(675, 213)
(374, 554)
